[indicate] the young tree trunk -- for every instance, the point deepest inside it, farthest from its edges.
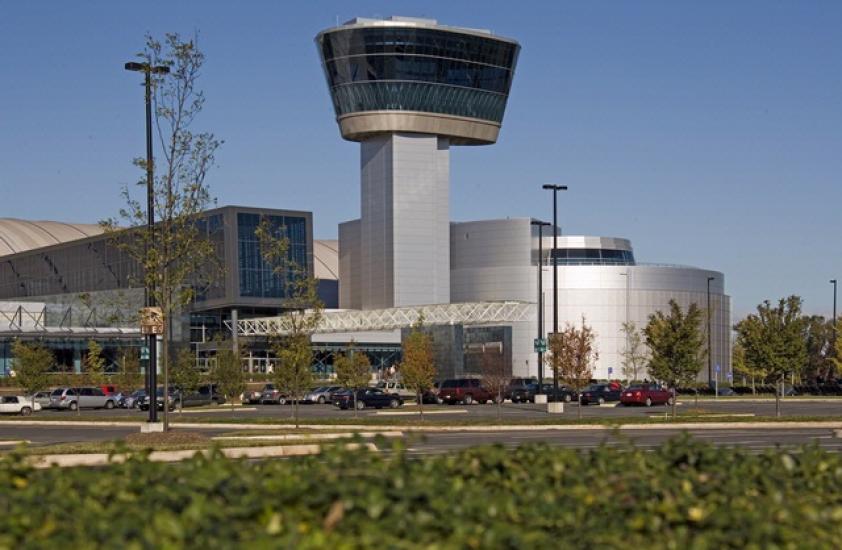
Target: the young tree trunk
(354, 402)
(499, 405)
(674, 402)
(166, 372)
(579, 408)
(420, 403)
(778, 392)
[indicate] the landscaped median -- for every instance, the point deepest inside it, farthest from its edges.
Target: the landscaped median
(683, 494)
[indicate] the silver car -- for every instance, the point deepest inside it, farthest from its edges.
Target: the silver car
(86, 398)
(322, 395)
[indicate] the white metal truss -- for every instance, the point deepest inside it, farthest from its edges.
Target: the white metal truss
(468, 313)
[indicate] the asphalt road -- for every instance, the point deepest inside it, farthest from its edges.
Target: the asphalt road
(436, 443)
(791, 407)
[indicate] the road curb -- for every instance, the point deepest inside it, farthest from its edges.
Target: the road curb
(103, 459)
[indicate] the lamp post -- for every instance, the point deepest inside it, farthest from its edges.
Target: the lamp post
(149, 299)
(540, 225)
(555, 189)
(710, 354)
(835, 335)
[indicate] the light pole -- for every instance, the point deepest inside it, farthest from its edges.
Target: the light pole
(540, 225)
(835, 335)
(710, 354)
(555, 189)
(151, 378)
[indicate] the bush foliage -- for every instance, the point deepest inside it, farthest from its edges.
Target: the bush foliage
(683, 494)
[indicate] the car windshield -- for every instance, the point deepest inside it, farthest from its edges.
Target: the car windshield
(596, 387)
(320, 388)
(58, 392)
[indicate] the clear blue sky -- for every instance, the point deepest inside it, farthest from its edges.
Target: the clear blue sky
(709, 133)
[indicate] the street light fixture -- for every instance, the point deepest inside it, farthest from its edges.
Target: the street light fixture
(555, 189)
(540, 225)
(710, 351)
(151, 378)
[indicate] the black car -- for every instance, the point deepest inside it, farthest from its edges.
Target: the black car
(601, 393)
(369, 397)
(518, 390)
(565, 394)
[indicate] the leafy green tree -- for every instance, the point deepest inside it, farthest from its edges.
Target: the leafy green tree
(676, 344)
(418, 367)
(740, 367)
(836, 356)
(32, 363)
(634, 353)
(177, 258)
(94, 364)
(573, 353)
(353, 370)
(773, 340)
(185, 374)
(818, 334)
(228, 372)
(291, 336)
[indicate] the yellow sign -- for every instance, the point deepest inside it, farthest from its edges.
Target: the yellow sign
(151, 320)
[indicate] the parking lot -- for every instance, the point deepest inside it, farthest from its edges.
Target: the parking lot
(511, 411)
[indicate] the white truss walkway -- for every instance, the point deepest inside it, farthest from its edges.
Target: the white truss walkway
(352, 320)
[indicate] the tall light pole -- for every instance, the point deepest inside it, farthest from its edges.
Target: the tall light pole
(555, 189)
(149, 299)
(540, 225)
(710, 350)
(835, 335)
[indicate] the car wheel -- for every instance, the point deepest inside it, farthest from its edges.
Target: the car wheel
(670, 401)
(321, 400)
(26, 411)
(601, 401)
(567, 398)
(109, 404)
(393, 404)
(648, 402)
(468, 399)
(360, 405)
(73, 406)
(282, 401)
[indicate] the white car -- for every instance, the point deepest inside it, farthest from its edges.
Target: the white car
(391, 386)
(18, 404)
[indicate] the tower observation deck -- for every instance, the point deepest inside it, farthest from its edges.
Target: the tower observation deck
(407, 89)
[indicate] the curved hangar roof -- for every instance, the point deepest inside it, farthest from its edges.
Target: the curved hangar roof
(22, 235)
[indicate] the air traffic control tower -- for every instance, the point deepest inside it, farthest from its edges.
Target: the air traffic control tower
(408, 89)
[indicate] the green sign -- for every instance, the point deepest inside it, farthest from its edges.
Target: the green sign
(540, 345)
(144, 353)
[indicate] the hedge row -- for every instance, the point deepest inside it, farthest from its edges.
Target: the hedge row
(682, 495)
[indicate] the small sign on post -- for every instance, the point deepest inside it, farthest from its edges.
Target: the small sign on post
(151, 321)
(540, 345)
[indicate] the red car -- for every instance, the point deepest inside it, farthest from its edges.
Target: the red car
(465, 391)
(646, 394)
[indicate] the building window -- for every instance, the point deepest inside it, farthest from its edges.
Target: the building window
(257, 277)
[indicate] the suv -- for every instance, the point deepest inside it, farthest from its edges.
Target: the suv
(86, 398)
(392, 386)
(518, 390)
(464, 390)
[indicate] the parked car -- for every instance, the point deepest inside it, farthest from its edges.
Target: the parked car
(271, 394)
(206, 394)
(601, 393)
(42, 398)
(172, 399)
(646, 394)
(518, 390)
(109, 389)
(86, 398)
(253, 396)
(368, 397)
(393, 386)
(18, 404)
(464, 390)
(321, 395)
(132, 400)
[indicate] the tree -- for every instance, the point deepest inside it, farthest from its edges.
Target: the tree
(836, 357)
(228, 372)
(634, 355)
(818, 334)
(496, 374)
(94, 366)
(418, 368)
(177, 259)
(185, 374)
(573, 353)
(129, 376)
(773, 340)
(291, 336)
(353, 370)
(677, 346)
(32, 366)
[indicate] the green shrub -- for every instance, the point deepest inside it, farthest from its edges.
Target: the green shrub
(683, 494)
